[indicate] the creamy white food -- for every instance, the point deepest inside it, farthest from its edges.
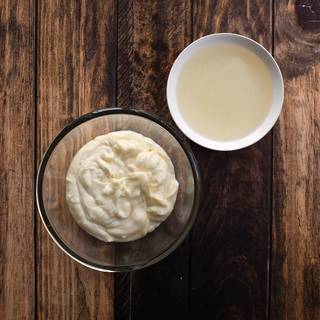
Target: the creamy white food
(121, 186)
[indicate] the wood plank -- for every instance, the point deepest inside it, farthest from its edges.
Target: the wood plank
(150, 36)
(77, 50)
(17, 109)
(295, 286)
(230, 241)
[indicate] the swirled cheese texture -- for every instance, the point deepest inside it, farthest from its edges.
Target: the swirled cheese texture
(121, 186)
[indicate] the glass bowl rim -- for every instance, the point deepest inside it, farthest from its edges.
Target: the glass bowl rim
(105, 112)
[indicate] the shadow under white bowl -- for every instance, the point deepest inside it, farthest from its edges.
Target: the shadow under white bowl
(277, 91)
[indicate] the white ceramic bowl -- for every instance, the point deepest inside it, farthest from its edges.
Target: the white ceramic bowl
(277, 95)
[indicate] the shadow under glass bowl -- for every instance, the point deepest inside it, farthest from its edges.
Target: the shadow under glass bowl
(115, 256)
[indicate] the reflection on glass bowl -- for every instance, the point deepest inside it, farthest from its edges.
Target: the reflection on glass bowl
(115, 256)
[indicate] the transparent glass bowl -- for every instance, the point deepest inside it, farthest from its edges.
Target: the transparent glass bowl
(78, 244)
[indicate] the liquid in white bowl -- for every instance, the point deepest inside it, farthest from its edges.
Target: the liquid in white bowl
(224, 91)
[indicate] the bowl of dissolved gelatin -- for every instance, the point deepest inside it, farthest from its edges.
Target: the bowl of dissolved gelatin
(77, 243)
(225, 91)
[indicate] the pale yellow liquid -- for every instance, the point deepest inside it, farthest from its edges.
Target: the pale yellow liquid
(224, 92)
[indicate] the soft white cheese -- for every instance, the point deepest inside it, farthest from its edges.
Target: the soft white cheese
(121, 186)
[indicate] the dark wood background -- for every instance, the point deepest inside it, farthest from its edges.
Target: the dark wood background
(254, 252)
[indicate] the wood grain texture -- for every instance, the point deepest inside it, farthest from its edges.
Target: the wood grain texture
(16, 159)
(295, 286)
(308, 14)
(122, 296)
(221, 271)
(76, 74)
(161, 291)
(150, 36)
(230, 241)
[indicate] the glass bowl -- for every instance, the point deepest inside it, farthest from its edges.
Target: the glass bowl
(77, 243)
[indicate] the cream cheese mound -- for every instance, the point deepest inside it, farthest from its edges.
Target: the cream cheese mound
(121, 186)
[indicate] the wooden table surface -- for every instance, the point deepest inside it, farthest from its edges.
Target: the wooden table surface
(254, 252)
